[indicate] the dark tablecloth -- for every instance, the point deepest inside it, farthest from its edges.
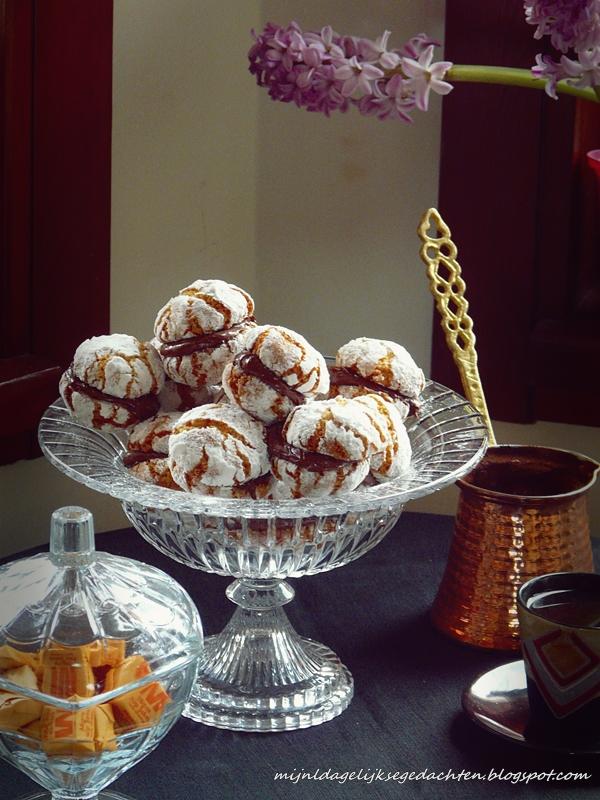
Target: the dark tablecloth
(405, 716)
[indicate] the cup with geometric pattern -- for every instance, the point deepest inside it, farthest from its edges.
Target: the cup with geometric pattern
(559, 616)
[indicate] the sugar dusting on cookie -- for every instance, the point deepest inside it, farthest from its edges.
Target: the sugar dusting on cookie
(119, 365)
(383, 362)
(202, 307)
(217, 445)
(338, 427)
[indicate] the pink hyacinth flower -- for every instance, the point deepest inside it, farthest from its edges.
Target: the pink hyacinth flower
(586, 70)
(357, 77)
(549, 70)
(425, 76)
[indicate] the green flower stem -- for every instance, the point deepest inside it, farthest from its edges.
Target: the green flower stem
(510, 76)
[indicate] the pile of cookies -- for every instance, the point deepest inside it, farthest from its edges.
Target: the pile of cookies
(76, 673)
(218, 405)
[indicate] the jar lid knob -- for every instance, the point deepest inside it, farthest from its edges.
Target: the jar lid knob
(71, 533)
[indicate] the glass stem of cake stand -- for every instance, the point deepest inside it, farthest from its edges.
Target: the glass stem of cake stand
(258, 674)
(259, 648)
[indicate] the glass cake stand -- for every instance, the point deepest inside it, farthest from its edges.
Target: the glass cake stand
(258, 674)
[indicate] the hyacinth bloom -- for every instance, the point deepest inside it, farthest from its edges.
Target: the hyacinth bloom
(424, 76)
(571, 24)
(573, 27)
(322, 71)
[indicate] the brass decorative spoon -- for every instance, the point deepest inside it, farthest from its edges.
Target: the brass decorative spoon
(447, 286)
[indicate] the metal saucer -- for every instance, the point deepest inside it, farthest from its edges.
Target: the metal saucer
(498, 702)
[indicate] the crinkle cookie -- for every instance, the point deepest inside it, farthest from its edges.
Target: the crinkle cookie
(113, 382)
(217, 446)
(156, 471)
(152, 435)
(394, 459)
(324, 448)
(148, 450)
(198, 332)
(276, 371)
(299, 473)
(338, 427)
(375, 365)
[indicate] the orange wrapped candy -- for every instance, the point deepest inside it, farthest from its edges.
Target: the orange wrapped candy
(76, 673)
(16, 711)
(11, 658)
(66, 671)
(105, 652)
(104, 735)
(68, 732)
(132, 669)
(141, 706)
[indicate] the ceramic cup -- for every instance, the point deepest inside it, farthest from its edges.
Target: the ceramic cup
(559, 617)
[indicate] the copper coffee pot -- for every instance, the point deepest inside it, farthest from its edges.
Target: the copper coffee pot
(522, 512)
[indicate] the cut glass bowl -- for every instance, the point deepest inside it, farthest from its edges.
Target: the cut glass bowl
(258, 674)
(98, 656)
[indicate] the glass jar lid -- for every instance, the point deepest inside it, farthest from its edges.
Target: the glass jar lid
(78, 626)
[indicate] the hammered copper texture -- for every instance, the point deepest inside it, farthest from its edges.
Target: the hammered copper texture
(499, 543)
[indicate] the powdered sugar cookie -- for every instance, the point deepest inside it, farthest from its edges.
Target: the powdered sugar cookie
(324, 448)
(148, 449)
(156, 471)
(276, 371)
(152, 435)
(113, 382)
(394, 458)
(205, 306)
(217, 445)
(375, 365)
(200, 361)
(340, 428)
(300, 473)
(198, 332)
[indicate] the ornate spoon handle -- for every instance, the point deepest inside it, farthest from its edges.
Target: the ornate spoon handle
(447, 286)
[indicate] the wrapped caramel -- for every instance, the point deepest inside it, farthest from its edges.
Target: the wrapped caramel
(132, 669)
(105, 652)
(23, 676)
(104, 731)
(73, 673)
(66, 671)
(141, 707)
(11, 658)
(68, 732)
(17, 711)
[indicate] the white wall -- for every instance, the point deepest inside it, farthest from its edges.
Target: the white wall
(339, 199)
(315, 216)
(184, 153)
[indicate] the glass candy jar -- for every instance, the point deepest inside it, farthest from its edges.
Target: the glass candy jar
(98, 656)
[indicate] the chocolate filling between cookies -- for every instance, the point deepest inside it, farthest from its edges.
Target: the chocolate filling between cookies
(313, 462)
(200, 344)
(342, 376)
(251, 364)
(142, 407)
